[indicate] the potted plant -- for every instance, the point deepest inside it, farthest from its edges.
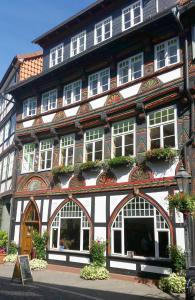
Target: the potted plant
(3, 245)
(121, 161)
(91, 165)
(183, 202)
(158, 154)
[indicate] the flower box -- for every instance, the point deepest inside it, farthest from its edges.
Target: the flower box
(121, 161)
(91, 166)
(161, 154)
(183, 202)
(62, 170)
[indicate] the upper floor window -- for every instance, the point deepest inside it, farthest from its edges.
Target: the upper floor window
(123, 134)
(167, 53)
(103, 30)
(162, 128)
(130, 69)
(94, 144)
(29, 107)
(56, 55)
(99, 82)
(78, 43)
(49, 100)
(132, 15)
(46, 155)
(72, 92)
(67, 150)
(28, 158)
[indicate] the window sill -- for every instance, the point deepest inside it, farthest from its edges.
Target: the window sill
(68, 251)
(138, 258)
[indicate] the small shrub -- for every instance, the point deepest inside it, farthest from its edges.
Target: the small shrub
(177, 255)
(183, 202)
(62, 170)
(3, 240)
(97, 252)
(38, 264)
(40, 242)
(173, 284)
(94, 273)
(90, 165)
(13, 249)
(158, 154)
(121, 161)
(10, 258)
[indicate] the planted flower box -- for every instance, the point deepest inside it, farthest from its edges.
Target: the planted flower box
(183, 202)
(91, 166)
(62, 170)
(121, 161)
(161, 154)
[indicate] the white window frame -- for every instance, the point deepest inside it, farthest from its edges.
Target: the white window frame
(92, 141)
(123, 139)
(102, 25)
(55, 50)
(130, 7)
(48, 94)
(28, 102)
(130, 60)
(99, 86)
(67, 147)
(45, 150)
(71, 87)
(77, 39)
(161, 128)
(193, 42)
(29, 153)
(165, 43)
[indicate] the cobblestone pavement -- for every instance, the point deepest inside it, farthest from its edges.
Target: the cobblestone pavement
(57, 285)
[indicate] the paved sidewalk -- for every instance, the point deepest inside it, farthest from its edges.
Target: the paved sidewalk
(60, 285)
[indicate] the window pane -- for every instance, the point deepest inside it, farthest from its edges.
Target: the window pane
(163, 239)
(86, 239)
(169, 135)
(54, 238)
(139, 236)
(117, 241)
(118, 146)
(70, 233)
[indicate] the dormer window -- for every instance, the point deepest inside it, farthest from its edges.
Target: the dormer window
(103, 30)
(56, 55)
(167, 53)
(132, 15)
(78, 43)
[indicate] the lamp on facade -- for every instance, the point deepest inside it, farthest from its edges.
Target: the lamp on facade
(183, 179)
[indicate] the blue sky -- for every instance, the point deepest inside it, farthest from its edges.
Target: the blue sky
(21, 21)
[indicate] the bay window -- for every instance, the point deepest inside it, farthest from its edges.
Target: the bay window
(78, 43)
(28, 158)
(45, 155)
(167, 53)
(72, 92)
(29, 107)
(103, 30)
(67, 150)
(162, 128)
(99, 82)
(132, 15)
(94, 144)
(123, 137)
(56, 55)
(49, 101)
(130, 69)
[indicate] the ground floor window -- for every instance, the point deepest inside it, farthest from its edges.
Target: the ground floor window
(70, 229)
(140, 228)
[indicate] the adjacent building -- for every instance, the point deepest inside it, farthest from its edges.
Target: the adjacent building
(117, 81)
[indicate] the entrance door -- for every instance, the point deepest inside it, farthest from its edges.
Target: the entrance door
(30, 224)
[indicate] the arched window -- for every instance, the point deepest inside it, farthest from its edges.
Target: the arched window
(70, 229)
(140, 230)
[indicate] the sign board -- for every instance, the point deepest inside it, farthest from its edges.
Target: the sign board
(22, 271)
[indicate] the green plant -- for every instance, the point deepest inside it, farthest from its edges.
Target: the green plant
(3, 240)
(121, 161)
(177, 259)
(38, 264)
(10, 258)
(61, 170)
(94, 272)
(90, 165)
(173, 284)
(13, 249)
(183, 202)
(40, 242)
(166, 154)
(97, 252)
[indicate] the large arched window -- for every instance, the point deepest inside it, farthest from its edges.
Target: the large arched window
(140, 230)
(70, 229)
